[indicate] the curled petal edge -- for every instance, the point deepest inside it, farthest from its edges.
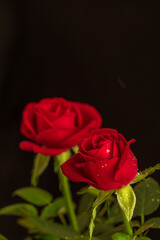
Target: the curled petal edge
(30, 146)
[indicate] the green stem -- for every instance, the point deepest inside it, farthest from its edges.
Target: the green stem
(68, 199)
(65, 188)
(127, 224)
(142, 219)
(142, 222)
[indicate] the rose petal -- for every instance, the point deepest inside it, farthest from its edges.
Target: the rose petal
(42, 123)
(128, 171)
(79, 118)
(53, 107)
(105, 152)
(30, 146)
(88, 157)
(79, 135)
(115, 151)
(86, 145)
(99, 175)
(101, 131)
(121, 138)
(98, 140)
(65, 121)
(52, 101)
(124, 154)
(75, 174)
(91, 120)
(89, 113)
(28, 121)
(54, 137)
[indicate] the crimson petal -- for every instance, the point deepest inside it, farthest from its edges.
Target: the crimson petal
(30, 146)
(99, 175)
(128, 171)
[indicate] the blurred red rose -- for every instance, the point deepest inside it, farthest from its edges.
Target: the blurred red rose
(104, 161)
(54, 125)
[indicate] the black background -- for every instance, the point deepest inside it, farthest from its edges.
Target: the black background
(104, 53)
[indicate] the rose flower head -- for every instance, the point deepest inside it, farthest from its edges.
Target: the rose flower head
(54, 125)
(104, 161)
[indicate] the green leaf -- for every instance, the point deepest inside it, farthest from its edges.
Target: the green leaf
(83, 221)
(2, 237)
(127, 200)
(103, 196)
(154, 222)
(28, 224)
(108, 230)
(52, 209)
(19, 209)
(101, 228)
(36, 196)
(44, 236)
(142, 229)
(121, 236)
(39, 165)
(55, 229)
(148, 197)
(143, 238)
(151, 223)
(84, 202)
(142, 175)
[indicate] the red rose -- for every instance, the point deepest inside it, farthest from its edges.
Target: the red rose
(104, 161)
(54, 125)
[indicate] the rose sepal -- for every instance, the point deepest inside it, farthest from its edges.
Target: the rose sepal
(40, 163)
(91, 190)
(127, 200)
